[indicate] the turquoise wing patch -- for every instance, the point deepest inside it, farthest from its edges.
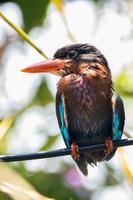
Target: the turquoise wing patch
(60, 111)
(117, 133)
(118, 117)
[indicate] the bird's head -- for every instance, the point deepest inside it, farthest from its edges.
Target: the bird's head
(79, 59)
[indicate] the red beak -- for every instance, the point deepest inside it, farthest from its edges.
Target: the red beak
(47, 66)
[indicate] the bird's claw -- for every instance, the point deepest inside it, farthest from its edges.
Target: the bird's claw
(109, 145)
(75, 151)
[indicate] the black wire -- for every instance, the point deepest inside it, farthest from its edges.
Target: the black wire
(62, 152)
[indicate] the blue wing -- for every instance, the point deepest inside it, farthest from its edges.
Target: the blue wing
(61, 116)
(118, 116)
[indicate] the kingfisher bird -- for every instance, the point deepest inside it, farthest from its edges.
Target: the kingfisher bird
(88, 109)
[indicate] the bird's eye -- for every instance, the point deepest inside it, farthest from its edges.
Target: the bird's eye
(72, 54)
(93, 67)
(89, 67)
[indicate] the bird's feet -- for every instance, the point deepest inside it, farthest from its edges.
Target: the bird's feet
(75, 151)
(109, 145)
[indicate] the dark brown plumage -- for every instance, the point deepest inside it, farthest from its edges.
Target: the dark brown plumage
(86, 89)
(87, 108)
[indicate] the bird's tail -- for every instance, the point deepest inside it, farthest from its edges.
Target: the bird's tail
(82, 164)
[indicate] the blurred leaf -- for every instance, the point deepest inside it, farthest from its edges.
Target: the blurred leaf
(111, 179)
(50, 142)
(54, 185)
(43, 95)
(58, 4)
(17, 187)
(124, 82)
(125, 166)
(5, 125)
(4, 196)
(34, 12)
(100, 3)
